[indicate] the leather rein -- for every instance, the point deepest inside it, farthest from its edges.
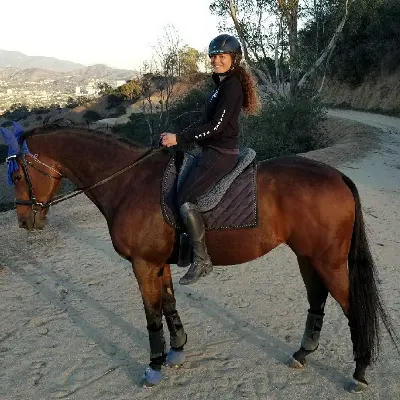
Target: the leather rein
(35, 204)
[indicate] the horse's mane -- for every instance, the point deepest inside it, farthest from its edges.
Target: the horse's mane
(66, 125)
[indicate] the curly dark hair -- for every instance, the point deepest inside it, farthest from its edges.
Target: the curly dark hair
(251, 99)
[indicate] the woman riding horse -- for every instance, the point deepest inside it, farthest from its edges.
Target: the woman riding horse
(313, 208)
(218, 138)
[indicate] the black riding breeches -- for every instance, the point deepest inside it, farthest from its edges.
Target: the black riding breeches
(210, 166)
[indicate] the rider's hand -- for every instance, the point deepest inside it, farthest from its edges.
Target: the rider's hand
(168, 139)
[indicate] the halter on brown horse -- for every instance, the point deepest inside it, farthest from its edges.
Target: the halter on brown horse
(312, 207)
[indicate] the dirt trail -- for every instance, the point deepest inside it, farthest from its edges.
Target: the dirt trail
(381, 169)
(73, 326)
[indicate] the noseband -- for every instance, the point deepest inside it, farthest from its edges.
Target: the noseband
(40, 206)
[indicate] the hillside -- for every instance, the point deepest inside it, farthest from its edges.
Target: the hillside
(376, 93)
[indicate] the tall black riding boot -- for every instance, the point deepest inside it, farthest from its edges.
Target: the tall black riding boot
(201, 264)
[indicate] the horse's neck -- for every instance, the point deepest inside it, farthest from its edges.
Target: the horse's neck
(84, 158)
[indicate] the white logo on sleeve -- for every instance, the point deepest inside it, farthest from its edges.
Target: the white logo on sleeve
(215, 128)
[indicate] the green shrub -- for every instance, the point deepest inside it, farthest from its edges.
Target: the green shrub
(118, 112)
(284, 126)
(17, 112)
(137, 129)
(130, 91)
(114, 100)
(91, 116)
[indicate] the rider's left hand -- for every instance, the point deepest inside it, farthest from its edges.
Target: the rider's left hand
(168, 139)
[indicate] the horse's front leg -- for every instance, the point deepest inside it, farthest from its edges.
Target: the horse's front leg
(149, 277)
(176, 355)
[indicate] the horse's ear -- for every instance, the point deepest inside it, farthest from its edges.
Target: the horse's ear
(10, 140)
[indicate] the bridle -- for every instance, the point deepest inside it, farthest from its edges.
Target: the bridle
(40, 206)
(25, 163)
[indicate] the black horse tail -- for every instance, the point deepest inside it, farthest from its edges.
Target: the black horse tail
(365, 304)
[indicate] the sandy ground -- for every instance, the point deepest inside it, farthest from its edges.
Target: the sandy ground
(73, 326)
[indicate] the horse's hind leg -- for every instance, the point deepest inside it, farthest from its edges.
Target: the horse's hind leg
(316, 294)
(335, 275)
(149, 277)
(176, 355)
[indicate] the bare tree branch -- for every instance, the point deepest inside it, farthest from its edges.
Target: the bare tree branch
(232, 11)
(328, 49)
(277, 64)
(146, 117)
(263, 74)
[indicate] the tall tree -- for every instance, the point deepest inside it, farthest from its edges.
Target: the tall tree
(130, 90)
(188, 61)
(270, 28)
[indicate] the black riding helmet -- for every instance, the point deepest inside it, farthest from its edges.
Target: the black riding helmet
(226, 44)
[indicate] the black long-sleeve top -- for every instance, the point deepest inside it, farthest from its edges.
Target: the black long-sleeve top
(221, 128)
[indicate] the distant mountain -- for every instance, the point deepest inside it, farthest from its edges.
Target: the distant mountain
(14, 75)
(20, 60)
(19, 68)
(102, 71)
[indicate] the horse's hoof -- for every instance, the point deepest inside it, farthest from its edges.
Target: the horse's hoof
(356, 386)
(151, 378)
(175, 359)
(293, 363)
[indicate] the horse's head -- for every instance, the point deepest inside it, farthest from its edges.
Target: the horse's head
(35, 183)
(35, 180)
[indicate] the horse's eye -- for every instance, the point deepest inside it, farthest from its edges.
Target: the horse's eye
(17, 178)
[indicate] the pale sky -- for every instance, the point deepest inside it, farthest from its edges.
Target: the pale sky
(119, 33)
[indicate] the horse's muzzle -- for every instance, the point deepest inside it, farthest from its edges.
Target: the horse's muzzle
(32, 221)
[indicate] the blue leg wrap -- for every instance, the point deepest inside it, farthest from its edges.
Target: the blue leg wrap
(175, 358)
(152, 377)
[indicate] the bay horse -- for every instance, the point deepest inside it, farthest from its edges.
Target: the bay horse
(310, 206)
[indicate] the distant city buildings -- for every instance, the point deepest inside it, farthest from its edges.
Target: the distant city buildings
(91, 89)
(88, 90)
(48, 92)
